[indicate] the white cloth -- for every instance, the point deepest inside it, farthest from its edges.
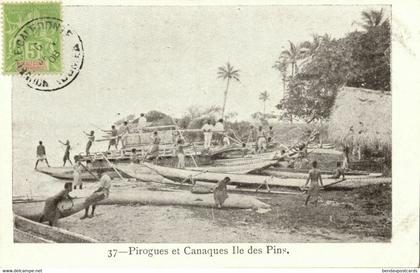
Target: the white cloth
(181, 161)
(261, 144)
(207, 128)
(226, 141)
(219, 127)
(207, 139)
(77, 179)
(142, 122)
(105, 184)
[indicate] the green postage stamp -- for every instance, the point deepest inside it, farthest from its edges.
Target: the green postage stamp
(32, 37)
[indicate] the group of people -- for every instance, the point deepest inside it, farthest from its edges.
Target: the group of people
(52, 212)
(41, 154)
(261, 137)
(217, 128)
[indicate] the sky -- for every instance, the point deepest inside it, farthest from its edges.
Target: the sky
(166, 58)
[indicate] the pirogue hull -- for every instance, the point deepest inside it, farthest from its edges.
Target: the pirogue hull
(256, 180)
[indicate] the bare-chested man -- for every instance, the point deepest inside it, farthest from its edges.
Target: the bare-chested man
(315, 179)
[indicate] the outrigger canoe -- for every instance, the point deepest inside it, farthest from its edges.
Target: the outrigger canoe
(305, 171)
(238, 168)
(27, 231)
(32, 209)
(66, 173)
(248, 159)
(255, 180)
(293, 174)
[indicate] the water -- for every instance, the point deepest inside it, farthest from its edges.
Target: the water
(28, 182)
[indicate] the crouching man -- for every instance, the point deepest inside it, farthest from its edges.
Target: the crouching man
(220, 192)
(51, 211)
(101, 193)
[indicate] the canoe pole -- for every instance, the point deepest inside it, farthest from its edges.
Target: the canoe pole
(182, 136)
(87, 169)
(112, 166)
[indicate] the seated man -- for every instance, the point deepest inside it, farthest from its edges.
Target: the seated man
(51, 212)
(339, 172)
(101, 193)
(134, 157)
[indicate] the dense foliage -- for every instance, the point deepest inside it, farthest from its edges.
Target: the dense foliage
(321, 66)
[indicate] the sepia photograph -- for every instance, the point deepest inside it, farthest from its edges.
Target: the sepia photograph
(200, 124)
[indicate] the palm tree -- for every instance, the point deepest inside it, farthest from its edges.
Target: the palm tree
(264, 96)
(309, 48)
(292, 55)
(371, 19)
(227, 73)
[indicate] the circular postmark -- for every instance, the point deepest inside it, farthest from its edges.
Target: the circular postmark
(71, 55)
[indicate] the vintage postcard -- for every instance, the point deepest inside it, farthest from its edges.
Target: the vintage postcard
(224, 133)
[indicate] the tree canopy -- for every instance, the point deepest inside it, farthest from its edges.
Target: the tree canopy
(360, 59)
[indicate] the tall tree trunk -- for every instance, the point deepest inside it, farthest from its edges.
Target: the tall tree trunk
(264, 109)
(320, 135)
(284, 87)
(293, 69)
(224, 100)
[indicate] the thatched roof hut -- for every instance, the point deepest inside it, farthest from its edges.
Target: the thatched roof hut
(361, 117)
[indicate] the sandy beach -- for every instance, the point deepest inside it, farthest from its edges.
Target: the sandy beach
(339, 217)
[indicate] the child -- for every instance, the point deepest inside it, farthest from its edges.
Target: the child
(77, 172)
(338, 172)
(314, 176)
(220, 192)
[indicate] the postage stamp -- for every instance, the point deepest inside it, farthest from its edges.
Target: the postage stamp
(31, 37)
(72, 58)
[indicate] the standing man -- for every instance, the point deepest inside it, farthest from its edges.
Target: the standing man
(270, 134)
(154, 151)
(66, 152)
(91, 139)
(41, 155)
(346, 152)
(142, 122)
(180, 154)
(113, 140)
(101, 193)
(122, 132)
(207, 129)
(314, 176)
(219, 128)
(252, 134)
(261, 140)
